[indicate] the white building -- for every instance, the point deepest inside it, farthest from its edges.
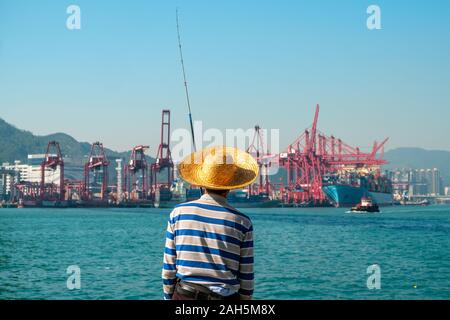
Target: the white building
(21, 171)
(435, 183)
(30, 172)
(34, 170)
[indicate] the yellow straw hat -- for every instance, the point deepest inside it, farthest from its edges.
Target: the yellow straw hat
(219, 168)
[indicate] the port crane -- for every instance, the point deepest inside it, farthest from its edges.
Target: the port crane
(259, 150)
(50, 191)
(95, 169)
(136, 175)
(163, 161)
(313, 157)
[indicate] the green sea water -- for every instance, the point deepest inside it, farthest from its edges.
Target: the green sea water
(319, 253)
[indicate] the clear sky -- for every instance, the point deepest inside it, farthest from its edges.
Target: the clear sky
(248, 62)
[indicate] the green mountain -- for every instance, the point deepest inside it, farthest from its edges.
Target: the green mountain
(16, 144)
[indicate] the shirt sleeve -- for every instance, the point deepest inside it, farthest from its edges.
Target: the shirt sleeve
(246, 276)
(169, 270)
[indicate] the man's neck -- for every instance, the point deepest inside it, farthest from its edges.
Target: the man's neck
(217, 197)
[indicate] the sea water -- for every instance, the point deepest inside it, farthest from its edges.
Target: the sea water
(304, 253)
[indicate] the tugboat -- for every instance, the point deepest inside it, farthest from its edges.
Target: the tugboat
(365, 206)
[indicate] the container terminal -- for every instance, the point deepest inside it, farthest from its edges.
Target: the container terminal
(315, 170)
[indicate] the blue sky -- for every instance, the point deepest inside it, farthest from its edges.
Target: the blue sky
(248, 62)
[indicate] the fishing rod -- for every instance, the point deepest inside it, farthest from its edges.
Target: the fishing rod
(185, 83)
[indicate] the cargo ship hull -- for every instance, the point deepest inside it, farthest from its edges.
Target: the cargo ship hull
(348, 196)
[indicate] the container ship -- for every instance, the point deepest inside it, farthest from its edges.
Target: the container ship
(349, 192)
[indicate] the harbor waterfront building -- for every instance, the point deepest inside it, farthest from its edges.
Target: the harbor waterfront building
(447, 191)
(18, 172)
(417, 182)
(435, 182)
(7, 178)
(13, 173)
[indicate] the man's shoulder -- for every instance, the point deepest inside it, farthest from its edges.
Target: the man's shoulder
(236, 211)
(182, 207)
(187, 204)
(231, 209)
(199, 203)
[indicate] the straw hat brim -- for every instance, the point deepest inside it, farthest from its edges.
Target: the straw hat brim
(224, 176)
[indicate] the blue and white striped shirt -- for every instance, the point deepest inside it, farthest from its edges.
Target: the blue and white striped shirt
(210, 243)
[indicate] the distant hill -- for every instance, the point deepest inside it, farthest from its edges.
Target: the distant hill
(16, 144)
(417, 158)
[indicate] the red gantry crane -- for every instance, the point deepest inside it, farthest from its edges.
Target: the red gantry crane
(96, 174)
(163, 162)
(50, 191)
(136, 175)
(74, 189)
(28, 192)
(260, 152)
(314, 157)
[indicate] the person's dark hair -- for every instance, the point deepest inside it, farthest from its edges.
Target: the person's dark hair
(222, 193)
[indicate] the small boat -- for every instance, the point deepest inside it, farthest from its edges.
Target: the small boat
(415, 203)
(242, 199)
(365, 206)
